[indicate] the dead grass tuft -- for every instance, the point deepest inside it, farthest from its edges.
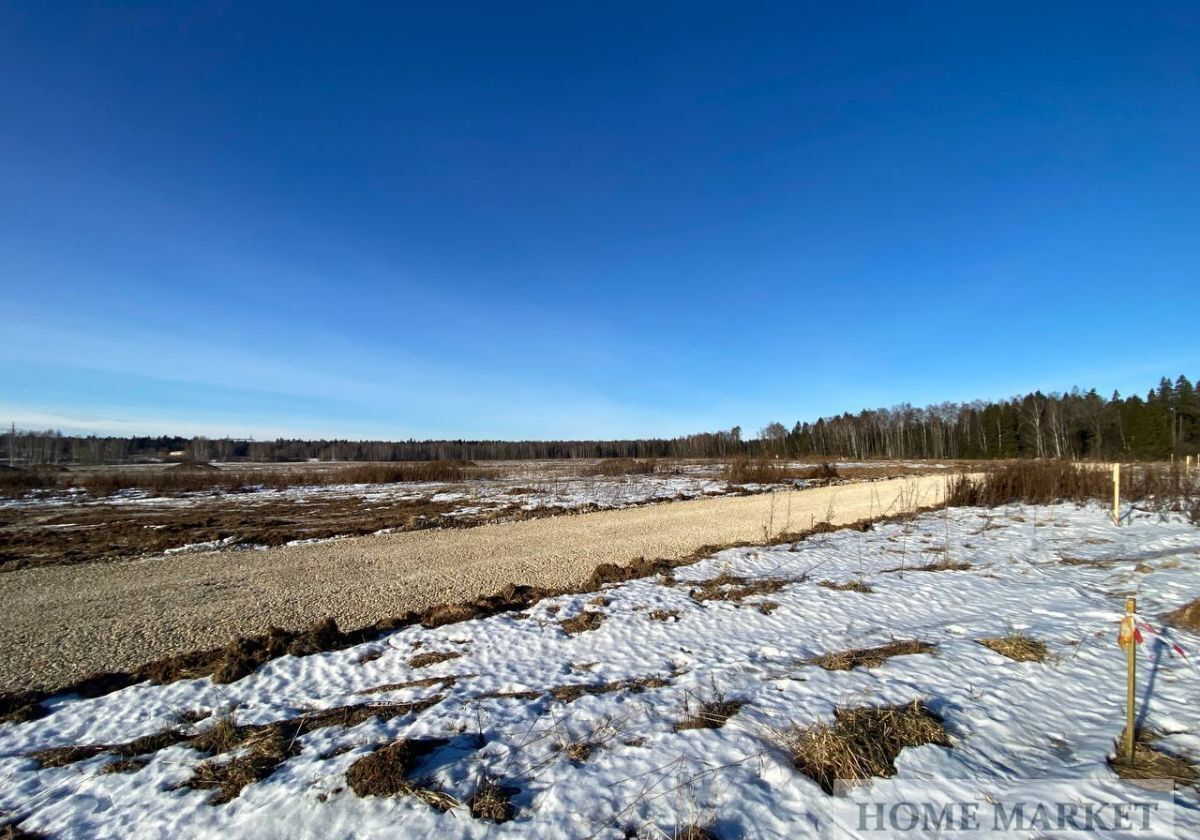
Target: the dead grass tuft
(228, 777)
(871, 657)
(850, 586)
(1186, 617)
(583, 622)
(443, 682)
(1017, 646)
(707, 714)
(124, 765)
(695, 832)
(727, 587)
(491, 802)
(767, 607)
(570, 693)
(423, 660)
(11, 831)
(385, 771)
(861, 742)
(663, 615)
(1150, 763)
(578, 751)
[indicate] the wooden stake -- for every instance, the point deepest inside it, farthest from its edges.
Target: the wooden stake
(1116, 494)
(1130, 684)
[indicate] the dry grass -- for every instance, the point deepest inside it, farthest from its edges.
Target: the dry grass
(861, 742)
(424, 660)
(709, 713)
(263, 753)
(491, 802)
(578, 751)
(664, 615)
(727, 587)
(570, 693)
(583, 622)
(196, 477)
(1044, 482)
(1186, 617)
(767, 607)
(10, 831)
(768, 471)
(623, 466)
(442, 682)
(872, 657)
(851, 586)
(573, 691)
(385, 772)
(1149, 763)
(124, 765)
(1017, 646)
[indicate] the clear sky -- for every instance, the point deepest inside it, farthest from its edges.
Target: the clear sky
(587, 220)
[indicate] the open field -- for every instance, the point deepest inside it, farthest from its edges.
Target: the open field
(953, 650)
(154, 606)
(99, 514)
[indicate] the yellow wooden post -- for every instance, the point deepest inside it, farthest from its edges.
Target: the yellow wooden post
(1116, 494)
(1130, 681)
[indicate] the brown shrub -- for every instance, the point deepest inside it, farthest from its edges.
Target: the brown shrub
(871, 657)
(861, 742)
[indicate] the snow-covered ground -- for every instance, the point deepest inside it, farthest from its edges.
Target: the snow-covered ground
(1058, 573)
(530, 494)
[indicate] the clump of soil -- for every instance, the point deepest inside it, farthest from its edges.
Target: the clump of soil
(849, 586)
(423, 660)
(871, 657)
(583, 622)
(1017, 646)
(861, 742)
(1186, 617)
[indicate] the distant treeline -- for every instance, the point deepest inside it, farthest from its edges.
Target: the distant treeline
(1075, 424)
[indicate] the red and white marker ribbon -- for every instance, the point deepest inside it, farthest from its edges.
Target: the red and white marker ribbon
(1174, 646)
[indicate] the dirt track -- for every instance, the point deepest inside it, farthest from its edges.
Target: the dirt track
(63, 623)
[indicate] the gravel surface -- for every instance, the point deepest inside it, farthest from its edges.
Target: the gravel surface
(65, 622)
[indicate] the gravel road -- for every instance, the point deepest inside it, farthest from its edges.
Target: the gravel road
(62, 623)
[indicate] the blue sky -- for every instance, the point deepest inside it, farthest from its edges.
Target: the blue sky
(570, 220)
